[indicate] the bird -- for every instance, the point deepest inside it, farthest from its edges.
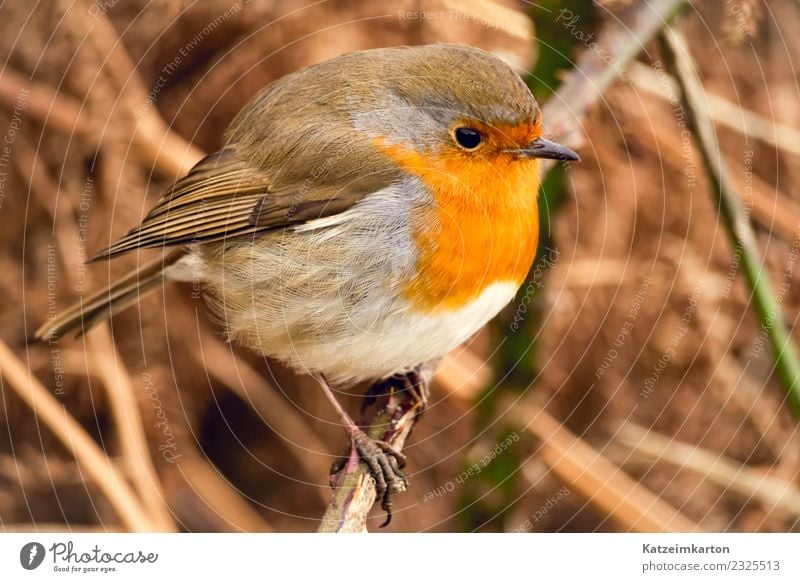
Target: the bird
(363, 217)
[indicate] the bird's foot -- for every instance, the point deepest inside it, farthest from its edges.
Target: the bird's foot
(384, 462)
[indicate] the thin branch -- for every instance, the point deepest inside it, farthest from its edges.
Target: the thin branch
(723, 111)
(205, 481)
(114, 378)
(77, 442)
(213, 489)
(166, 150)
(621, 40)
(163, 149)
(606, 487)
(47, 106)
(773, 209)
(128, 422)
(772, 492)
(734, 216)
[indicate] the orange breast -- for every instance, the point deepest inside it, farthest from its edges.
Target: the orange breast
(484, 229)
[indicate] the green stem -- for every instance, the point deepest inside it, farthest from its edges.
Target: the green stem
(734, 216)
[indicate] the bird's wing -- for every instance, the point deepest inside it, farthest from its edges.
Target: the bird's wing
(224, 197)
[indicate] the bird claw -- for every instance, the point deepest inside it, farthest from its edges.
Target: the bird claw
(385, 464)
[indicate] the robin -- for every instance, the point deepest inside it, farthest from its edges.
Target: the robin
(366, 215)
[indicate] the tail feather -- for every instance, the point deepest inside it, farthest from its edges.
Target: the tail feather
(101, 305)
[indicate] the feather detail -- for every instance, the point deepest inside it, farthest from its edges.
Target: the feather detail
(225, 197)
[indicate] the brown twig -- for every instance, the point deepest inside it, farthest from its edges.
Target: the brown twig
(47, 106)
(623, 39)
(231, 511)
(129, 425)
(601, 482)
(724, 111)
(77, 442)
(168, 152)
(751, 483)
(103, 357)
(771, 207)
(354, 493)
(161, 148)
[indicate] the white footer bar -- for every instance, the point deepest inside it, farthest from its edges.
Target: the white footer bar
(463, 557)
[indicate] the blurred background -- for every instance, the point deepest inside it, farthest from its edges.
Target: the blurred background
(630, 387)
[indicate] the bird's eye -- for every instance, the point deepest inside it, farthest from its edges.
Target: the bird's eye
(467, 138)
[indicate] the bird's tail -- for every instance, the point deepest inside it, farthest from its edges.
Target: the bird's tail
(103, 304)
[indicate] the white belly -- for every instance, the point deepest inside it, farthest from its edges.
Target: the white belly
(401, 340)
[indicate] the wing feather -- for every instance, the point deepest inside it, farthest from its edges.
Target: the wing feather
(224, 197)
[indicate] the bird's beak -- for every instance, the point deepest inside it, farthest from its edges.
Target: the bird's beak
(543, 148)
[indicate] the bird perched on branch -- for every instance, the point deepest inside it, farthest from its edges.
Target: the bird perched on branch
(366, 215)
